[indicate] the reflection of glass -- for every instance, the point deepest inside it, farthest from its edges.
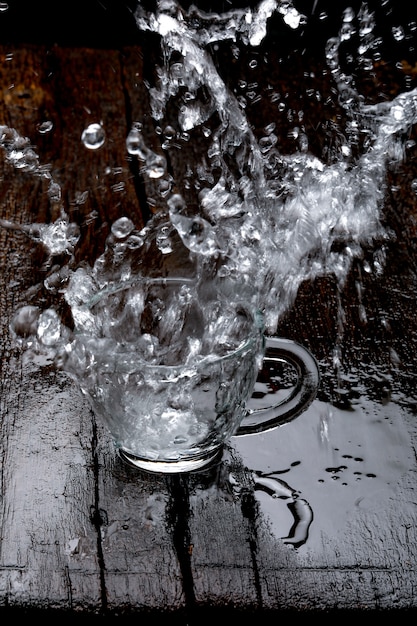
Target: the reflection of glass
(170, 371)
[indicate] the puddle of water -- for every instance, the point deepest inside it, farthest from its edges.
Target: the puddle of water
(339, 462)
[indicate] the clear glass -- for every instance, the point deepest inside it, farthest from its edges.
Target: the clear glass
(170, 374)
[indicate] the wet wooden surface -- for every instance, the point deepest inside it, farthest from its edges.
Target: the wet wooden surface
(82, 533)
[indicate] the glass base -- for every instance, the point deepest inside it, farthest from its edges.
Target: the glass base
(169, 467)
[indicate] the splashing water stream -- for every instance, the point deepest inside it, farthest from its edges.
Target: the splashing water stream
(262, 221)
(247, 222)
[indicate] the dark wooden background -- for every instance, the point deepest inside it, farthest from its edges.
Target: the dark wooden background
(81, 535)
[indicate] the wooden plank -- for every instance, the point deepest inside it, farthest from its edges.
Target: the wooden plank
(141, 568)
(38, 433)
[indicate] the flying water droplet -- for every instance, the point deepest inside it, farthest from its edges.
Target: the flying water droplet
(398, 33)
(93, 137)
(45, 127)
(49, 329)
(135, 144)
(156, 166)
(25, 322)
(122, 227)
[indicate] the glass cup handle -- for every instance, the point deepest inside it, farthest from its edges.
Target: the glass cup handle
(305, 390)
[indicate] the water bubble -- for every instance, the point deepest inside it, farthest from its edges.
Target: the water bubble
(93, 137)
(3, 6)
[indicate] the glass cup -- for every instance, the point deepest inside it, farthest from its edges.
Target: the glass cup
(170, 369)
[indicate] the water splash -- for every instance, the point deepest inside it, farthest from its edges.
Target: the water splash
(60, 237)
(247, 220)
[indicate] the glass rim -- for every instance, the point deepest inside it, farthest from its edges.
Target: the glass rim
(256, 329)
(120, 362)
(142, 280)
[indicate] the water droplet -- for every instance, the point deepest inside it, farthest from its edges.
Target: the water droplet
(293, 18)
(49, 327)
(169, 132)
(165, 187)
(45, 127)
(346, 32)
(119, 187)
(156, 166)
(122, 227)
(25, 321)
(134, 242)
(93, 137)
(348, 15)
(135, 144)
(367, 25)
(398, 33)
